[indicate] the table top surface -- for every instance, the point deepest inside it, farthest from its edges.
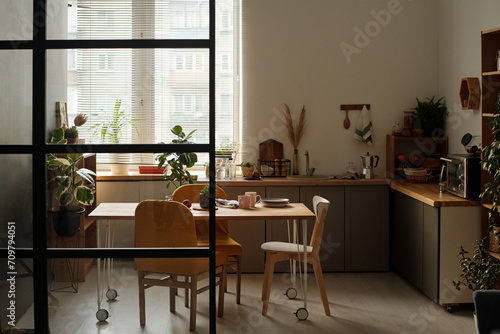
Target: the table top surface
(126, 211)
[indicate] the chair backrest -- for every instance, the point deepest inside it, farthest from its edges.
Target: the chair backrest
(164, 224)
(321, 206)
(192, 193)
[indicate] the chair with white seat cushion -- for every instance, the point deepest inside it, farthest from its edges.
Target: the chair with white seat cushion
(282, 251)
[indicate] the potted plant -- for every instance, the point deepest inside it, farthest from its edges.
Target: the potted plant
(247, 168)
(204, 198)
(178, 162)
(479, 272)
(71, 135)
(431, 115)
(111, 129)
(491, 163)
(70, 189)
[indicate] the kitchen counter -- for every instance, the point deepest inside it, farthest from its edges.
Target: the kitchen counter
(240, 181)
(428, 193)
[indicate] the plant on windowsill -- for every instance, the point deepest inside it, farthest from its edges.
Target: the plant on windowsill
(178, 173)
(70, 189)
(491, 163)
(431, 115)
(247, 168)
(111, 129)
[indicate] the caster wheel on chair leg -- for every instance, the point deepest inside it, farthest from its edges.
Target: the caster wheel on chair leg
(302, 314)
(102, 314)
(111, 294)
(291, 293)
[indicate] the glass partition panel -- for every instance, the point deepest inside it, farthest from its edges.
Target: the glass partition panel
(16, 301)
(16, 102)
(17, 20)
(129, 19)
(16, 200)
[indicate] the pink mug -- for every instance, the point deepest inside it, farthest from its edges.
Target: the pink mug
(244, 201)
(254, 198)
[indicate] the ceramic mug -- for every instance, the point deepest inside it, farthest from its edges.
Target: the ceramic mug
(244, 201)
(254, 198)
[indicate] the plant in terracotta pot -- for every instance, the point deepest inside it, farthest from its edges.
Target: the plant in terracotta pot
(71, 188)
(179, 163)
(431, 115)
(71, 135)
(491, 163)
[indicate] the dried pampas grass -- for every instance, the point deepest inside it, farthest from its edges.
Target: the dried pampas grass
(294, 136)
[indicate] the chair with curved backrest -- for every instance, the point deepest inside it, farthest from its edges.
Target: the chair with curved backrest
(282, 251)
(223, 242)
(487, 308)
(171, 224)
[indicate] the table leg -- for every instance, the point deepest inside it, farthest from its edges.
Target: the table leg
(304, 235)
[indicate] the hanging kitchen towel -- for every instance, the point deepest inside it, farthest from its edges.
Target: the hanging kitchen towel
(363, 131)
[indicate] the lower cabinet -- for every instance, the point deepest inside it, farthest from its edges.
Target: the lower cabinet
(366, 228)
(425, 241)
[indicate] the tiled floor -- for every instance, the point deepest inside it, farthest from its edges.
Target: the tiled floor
(378, 303)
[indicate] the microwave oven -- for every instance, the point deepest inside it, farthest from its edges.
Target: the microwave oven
(463, 175)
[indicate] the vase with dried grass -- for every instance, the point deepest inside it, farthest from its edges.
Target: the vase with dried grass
(294, 135)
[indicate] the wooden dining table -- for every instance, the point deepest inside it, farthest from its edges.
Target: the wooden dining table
(105, 213)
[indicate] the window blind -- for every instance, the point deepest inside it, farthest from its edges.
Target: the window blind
(148, 91)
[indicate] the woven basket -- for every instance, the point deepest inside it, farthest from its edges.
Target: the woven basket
(417, 175)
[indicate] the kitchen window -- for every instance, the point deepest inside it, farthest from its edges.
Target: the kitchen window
(159, 88)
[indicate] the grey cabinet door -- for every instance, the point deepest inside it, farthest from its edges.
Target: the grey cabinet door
(277, 230)
(366, 228)
(407, 237)
(430, 255)
(332, 246)
(249, 233)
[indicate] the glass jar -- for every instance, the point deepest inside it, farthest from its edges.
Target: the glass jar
(350, 168)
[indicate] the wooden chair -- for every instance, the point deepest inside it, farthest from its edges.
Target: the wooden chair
(171, 224)
(223, 242)
(282, 251)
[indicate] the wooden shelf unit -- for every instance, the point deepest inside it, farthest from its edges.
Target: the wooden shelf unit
(86, 236)
(425, 147)
(470, 93)
(490, 77)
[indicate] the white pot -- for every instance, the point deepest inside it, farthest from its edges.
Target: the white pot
(119, 169)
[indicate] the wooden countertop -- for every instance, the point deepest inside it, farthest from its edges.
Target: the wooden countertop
(428, 193)
(240, 181)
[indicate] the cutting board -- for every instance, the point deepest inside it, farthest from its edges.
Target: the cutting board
(270, 150)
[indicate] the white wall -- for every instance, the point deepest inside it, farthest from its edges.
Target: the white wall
(292, 54)
(460, 26)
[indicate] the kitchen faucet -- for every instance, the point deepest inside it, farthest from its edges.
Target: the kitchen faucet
(309, 172)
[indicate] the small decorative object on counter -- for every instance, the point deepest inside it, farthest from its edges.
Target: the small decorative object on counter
(396, 129)
(408, 124)
(498, 60)
(294, 135)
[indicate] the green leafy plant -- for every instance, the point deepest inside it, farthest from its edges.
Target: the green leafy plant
(431, 114)
(71, 132)
(205, 190)
(479, 272)
(246, 164)
(491, 163)
(69, 179)
(178, 162)
(114, 124)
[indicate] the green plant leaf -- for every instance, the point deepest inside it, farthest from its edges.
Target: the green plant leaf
(84, 195)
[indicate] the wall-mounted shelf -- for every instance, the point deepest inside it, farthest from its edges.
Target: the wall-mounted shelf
(470, 93)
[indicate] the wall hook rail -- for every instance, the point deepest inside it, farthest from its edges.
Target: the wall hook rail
(347, 107)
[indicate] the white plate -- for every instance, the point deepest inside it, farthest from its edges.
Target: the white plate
(275, 201)
(275, 205)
